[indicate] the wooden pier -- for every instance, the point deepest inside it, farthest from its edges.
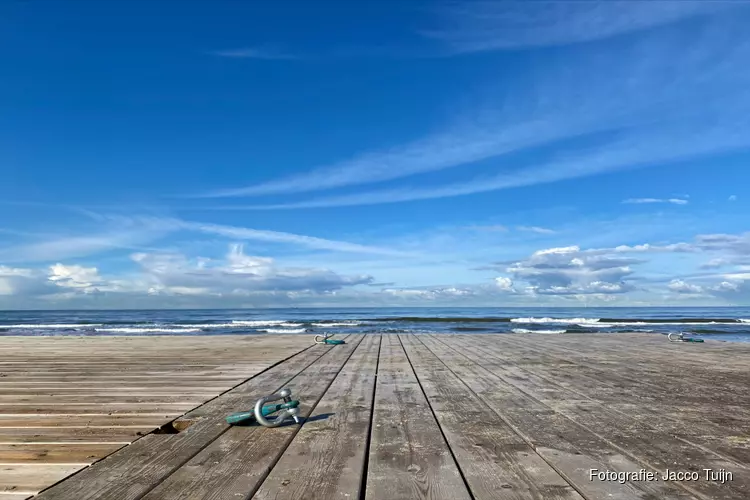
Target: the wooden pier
(389, 417)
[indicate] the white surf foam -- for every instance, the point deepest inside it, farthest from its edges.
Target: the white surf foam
(283, 330)
(557, 321)
(51, 326)
(610, 325)
(137, 330)
(548, 332)
(262, 322)
(235, 324)
(598, 323)
(644, 323)
(343, 323)
(744, 320)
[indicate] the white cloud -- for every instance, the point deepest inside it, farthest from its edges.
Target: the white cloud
(16, 280)
(480, 26)
(242, 233)
(166, 274)
(267, 53)
(733, 197)
(715, 263)
(643, 148)
(77, 277)
(536, 229)
(237, 274)
(625, 273)
(431, 294)
(571, 271)
(504, 283)
(658, 79)
(137, 230)
(130, 234)
(491, 228)
(680, 286)
(727, 286)
(674, 201)
(445, 150)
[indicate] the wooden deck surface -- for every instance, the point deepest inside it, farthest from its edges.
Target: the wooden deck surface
(389, 417)
(66, 402)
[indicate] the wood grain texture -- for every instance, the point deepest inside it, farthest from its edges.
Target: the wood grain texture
(719, 426)
(496, 462)
(55, 453)
(568, 447)
(21, 435)
(453, 416)
(78, 399)
(235, 464)
(635, 439)
(409, 459)
(28, 479)
(326, 459)
(149, 460)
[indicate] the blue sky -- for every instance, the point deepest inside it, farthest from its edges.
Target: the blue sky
(476, 153)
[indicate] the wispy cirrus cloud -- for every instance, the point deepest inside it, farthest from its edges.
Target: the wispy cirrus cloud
(244, 234)
(645, 148)
(480, 26)
(238, 233)
(441, 151)
(642, 201)
(267, 53)
(536, 229)
(49, 247)
(562, 133)
(117, 232)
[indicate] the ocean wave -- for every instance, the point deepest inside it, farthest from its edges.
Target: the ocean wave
(69, 326)
(424, 319)
(283, 330)
(610, 325)
(261, 322)
(549, 332)
(138, 330)
(235, 324)
(561, 321)
(673, 321)
(323, 324)
(624, 322)
(557, 321)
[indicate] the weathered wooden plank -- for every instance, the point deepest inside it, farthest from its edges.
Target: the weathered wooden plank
(235, 464)
(409, 458)
(111, 408)
(43, 399)
(634, 439)
(666, 411)
(327, 457)
(495, 461)
(705, 416)
(568, 447)
(666, 377)
(57, 434)
(149, 460)
(55, 453)
(83, 389)
(51, 421)
(29, 479)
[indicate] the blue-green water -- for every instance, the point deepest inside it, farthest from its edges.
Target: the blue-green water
(719, 323)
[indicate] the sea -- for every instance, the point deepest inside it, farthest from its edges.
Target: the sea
(730, 324)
